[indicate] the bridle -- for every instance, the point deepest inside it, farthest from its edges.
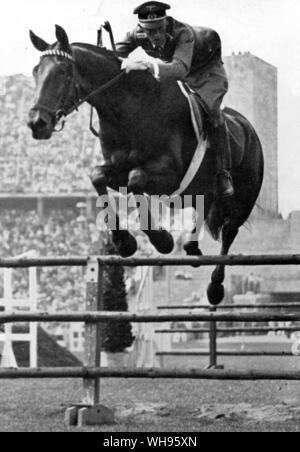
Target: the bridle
(64, 110)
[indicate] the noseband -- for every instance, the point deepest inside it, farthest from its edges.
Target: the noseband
(62, 112)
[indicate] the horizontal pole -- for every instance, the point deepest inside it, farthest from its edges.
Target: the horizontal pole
(222, 353)
(233, 306)
(262, 329)
(15, 337)
(44, 262)
(93, 373)
(231, 260)
(98, 317)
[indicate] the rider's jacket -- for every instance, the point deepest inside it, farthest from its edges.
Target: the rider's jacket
(188, 52)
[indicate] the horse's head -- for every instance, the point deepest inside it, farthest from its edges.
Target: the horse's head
(54, 77)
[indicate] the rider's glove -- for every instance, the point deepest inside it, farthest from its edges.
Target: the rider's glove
(135, 65)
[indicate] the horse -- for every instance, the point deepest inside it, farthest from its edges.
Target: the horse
(147, 140)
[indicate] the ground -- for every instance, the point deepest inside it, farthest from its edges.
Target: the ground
(163, 405)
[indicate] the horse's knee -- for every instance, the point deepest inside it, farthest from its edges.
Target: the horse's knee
(137, 181)
(99, 177)
(135, 158)
(119, 159)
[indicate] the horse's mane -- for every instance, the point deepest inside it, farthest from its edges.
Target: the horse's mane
(141, 82)
(103, 51)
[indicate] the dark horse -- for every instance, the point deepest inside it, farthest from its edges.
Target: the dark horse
(147, 140)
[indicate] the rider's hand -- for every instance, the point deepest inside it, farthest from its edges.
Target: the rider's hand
(134, 65)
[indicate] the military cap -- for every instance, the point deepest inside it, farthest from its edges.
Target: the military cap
(151, 14)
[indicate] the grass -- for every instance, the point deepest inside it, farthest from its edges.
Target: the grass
(152, 406)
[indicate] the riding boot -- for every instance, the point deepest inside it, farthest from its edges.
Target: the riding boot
(222, 143)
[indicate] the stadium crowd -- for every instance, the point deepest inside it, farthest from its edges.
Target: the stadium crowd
(59, 233)
(60, 165)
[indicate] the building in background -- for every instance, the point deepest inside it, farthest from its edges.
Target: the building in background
(253, 92)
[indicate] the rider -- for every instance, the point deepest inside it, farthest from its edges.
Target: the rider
(189, 54)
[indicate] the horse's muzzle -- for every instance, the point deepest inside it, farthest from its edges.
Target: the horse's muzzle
(41, 124)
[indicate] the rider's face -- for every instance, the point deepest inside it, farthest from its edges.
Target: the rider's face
(158, 35)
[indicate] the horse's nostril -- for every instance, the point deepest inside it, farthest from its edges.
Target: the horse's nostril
(37, 124)
(40, 123)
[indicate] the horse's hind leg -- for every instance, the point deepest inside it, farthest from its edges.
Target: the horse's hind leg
(191, 247)
(215, 291)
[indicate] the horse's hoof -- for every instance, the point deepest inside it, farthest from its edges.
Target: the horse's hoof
(162, 241)
(215, 294)
(137, 181)
(126, 246)
(192, 249)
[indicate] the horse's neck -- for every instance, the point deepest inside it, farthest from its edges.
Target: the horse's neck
(94, 70)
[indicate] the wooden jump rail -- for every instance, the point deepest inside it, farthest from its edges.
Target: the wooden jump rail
(262, 329)
(234, 260)
(96, 317)
(90, 412)
(92, 373)
(286, 305)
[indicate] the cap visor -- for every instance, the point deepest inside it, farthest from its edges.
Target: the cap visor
(152, 24)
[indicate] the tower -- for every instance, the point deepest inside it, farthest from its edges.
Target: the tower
(253, 92)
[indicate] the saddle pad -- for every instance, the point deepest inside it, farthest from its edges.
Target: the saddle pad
(199, 152)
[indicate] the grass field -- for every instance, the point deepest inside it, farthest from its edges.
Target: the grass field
(162, 406)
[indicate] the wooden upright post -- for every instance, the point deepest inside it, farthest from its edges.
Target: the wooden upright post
(213, 344)
(90, 412)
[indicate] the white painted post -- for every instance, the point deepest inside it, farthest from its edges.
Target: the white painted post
(164, 340)
(8, 357)
(145, 347)
(9, 304)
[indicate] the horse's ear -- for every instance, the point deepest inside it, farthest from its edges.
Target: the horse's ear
(62, 37)
(38, 43)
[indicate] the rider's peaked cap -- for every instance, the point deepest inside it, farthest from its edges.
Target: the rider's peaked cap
(151, 14)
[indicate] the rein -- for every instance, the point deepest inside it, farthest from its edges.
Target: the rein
(96, 92)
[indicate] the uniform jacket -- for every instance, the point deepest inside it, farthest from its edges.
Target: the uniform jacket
(188, 53)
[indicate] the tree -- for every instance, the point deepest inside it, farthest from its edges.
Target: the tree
(116, 336)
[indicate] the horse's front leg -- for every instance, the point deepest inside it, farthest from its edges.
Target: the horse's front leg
(124, 241)
(154, 178)
(215, 291)
(150, 222)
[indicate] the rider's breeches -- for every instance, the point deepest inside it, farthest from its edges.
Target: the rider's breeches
(211, 85)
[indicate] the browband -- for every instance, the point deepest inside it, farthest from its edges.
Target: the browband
(58, 53)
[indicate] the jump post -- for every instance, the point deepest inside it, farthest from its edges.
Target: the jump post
(90, 412)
